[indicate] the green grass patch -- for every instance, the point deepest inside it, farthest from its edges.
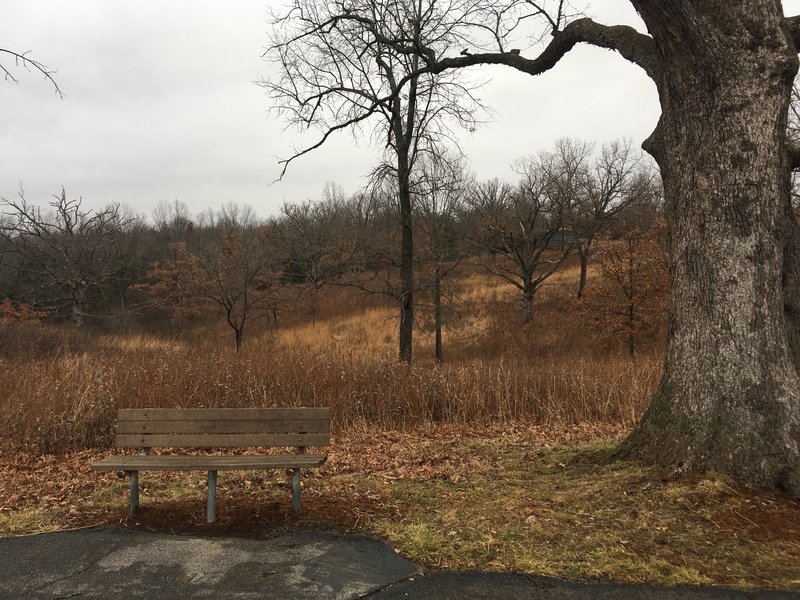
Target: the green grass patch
(569, 512)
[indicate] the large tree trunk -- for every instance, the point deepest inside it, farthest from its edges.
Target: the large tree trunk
(527, 302)
(78, 306)
(528, 293)
(729, 399)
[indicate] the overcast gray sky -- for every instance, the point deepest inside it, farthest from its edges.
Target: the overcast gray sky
(160, 104)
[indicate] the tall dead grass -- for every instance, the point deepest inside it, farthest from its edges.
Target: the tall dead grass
(60, 389)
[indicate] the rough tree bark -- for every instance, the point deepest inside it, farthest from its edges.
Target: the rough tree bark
(528, 292)
(403, 128)
(729, 399)
(406, 260)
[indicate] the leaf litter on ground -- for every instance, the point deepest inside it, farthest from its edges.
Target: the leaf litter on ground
(508, 497)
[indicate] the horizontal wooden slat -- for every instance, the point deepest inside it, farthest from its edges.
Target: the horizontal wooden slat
(222, 414)
(219, 440)
(216, 426)
(208, 462)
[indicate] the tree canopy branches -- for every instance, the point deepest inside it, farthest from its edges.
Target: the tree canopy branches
(23, 60)
(357, 67)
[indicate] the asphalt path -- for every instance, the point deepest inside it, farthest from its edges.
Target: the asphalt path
(119, 563)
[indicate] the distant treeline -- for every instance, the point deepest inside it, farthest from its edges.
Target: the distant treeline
(108, 265)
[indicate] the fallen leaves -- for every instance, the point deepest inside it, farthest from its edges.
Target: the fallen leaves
(492, 496)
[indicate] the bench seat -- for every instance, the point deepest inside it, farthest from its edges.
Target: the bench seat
(218, 429)
(208, 462)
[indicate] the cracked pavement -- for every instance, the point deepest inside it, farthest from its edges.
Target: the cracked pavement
(119, 563)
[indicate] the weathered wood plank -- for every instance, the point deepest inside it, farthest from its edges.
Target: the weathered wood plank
(208, 462)
(223, 414)
(229, 426)
(219, 440)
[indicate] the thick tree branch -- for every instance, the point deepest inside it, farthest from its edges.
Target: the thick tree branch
(793, 149)
(636, 47)
(793, 25)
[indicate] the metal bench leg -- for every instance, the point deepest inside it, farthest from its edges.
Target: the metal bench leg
(134, 475)
(211, 508)
(296, 491)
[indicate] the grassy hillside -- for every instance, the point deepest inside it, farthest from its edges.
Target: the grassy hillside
(61, 387)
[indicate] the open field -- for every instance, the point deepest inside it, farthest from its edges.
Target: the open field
(61, 388)
(497, 459)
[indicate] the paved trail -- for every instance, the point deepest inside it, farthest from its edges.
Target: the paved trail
(117, 563)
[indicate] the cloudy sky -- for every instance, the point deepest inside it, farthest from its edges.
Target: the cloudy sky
(160, 104)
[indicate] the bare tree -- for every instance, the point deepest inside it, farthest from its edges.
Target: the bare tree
(603, 194)
(339, 72)
(65, 253)
(231, 263)
(526, 226)
(440, 189)
(372, 238)
(172, 221)
(631, 297)
(239, 277)
(173, 286)
(311, 234)
(239, 265)
(24, 60)
(644, 203)
(135, 246)
(724, 74)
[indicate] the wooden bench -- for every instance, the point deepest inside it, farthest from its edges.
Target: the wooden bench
(218, 428)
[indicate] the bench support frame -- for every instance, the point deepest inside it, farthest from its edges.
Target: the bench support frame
(211, 505)
(134, 475)
(296, 492)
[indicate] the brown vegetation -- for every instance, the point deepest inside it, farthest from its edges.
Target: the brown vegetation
(499, 497)
(61, 387)
(494, 460)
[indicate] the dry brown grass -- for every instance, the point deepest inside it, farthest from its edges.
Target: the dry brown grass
(60, 389)
(494, 460)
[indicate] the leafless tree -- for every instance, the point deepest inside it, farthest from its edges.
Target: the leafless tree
(312, 235)
(239, 278)
(372, 238)
(237, 265)
(643, 203)
(347, 66)
(172, 221)
(65, 251)
(724, 74)
(440, 189)
(603, 190)
(526, 226)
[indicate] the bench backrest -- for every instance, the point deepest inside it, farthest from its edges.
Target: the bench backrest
(222, 427)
